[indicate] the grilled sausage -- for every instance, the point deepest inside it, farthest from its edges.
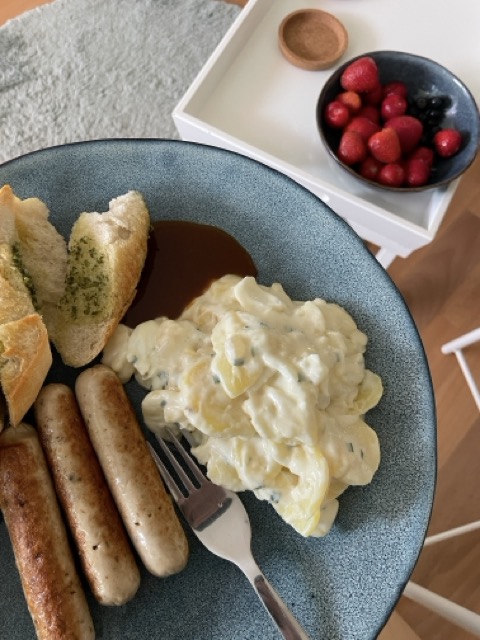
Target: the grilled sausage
(134, 480)
(105, 552)
(51, 585)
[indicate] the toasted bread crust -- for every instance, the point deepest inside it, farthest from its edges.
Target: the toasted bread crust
(25, 355)
(25, 360)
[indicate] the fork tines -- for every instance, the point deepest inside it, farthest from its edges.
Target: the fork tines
(164, 472)
(198, 503)
(184, 477)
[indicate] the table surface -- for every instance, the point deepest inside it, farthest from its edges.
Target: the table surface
(244, 98)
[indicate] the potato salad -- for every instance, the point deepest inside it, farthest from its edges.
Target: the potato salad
(273, 392)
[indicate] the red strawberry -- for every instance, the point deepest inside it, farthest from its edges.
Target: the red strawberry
(361, 75)
(371, 112)
(447, 142)
(392, 174)
(365, 127)
(409, 131)
(350, 99)
(370, 168)
(417, 172)
(424, 153)
(385, 145)
(395, 87)
(374, 96)
(337, 114)
(393, 105)
(352, 148)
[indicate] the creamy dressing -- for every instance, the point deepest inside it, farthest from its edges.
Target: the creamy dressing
(273, 391)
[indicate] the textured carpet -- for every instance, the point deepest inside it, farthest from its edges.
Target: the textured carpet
(86, 69)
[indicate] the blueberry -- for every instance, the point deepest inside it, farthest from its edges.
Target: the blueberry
(440, 102)
(432, 123)
(434, 114)
(421, 101)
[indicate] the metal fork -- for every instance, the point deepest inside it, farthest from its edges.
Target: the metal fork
(219, 520)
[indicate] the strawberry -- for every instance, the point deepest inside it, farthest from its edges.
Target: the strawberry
(392, 174)
(350, 99)
(409, 131)
(361, 75)
(424, 153)
(399, 133)
(417, 172)
(396, 87)
(365, 127)
(371, 112)
(370, 168)
(374, 96)
(447, 142)
(385, 145)
(393, 105)
(352, 148)
(337, 114)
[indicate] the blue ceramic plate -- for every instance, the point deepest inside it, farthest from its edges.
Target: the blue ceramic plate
(344, 585)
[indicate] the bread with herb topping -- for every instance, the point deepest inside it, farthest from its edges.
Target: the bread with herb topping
(74, 298)
(43, 254)
(107, 252)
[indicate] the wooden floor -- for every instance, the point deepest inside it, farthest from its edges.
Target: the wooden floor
(12, 8)
(441, 285)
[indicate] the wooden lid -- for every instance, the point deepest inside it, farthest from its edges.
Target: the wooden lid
(312, 39)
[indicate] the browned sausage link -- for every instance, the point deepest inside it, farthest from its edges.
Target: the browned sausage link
(51, 585)
(102, 542)
(134, 481)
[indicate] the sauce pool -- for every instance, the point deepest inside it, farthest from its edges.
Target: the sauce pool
(183, 259)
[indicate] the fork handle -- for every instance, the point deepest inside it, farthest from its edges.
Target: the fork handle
(283, 618)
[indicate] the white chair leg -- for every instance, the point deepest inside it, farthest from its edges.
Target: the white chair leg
(454, 613)
(451, 533)
(463, 341)
(456, 346)
(468, 377)
(385, 257)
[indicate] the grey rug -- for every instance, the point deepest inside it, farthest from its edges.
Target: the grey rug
(86, 69)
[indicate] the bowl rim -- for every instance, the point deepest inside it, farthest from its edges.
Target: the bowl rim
(333, 78)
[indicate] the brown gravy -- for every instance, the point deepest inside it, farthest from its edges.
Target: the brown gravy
(183, 259)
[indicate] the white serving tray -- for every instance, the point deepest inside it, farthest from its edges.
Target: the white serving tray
(249, 99)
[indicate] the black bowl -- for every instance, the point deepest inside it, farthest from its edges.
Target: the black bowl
(422, 76)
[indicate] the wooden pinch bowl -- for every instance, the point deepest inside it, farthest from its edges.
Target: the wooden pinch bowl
(312, 39)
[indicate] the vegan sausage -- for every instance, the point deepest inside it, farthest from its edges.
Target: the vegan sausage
(102, 542)
(146, 508)
(50, 582)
